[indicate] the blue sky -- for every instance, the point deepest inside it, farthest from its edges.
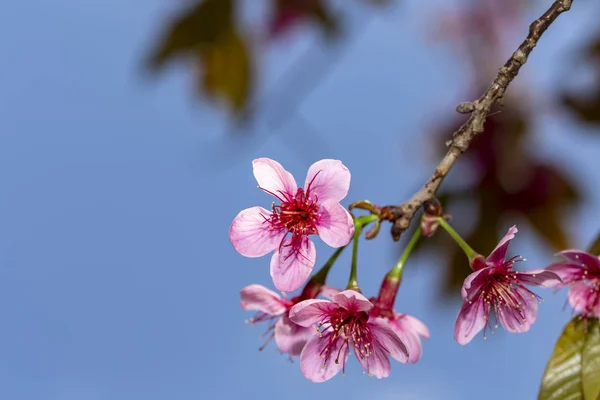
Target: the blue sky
(117, 278)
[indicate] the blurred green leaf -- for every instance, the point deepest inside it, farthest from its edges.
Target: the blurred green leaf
(587, 109)
(201, 24)
(586, 106)
(206, 33)
(594, 248)
(547, 224)
(573, 371)
(226, 70)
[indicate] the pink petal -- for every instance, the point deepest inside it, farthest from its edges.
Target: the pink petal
(567, 271)
(335, 224)
(310, 312)
(257, 297)
(539, 277)
(410, 338)
(413, 324)
(470, 320)
(473, 283)
(582, 258)
(352, 301)
(478, 262)
(251, 235)
(519, 321)
(499, 253)
(583, 298)
(376, 364)
(328, 179)
(388, 339)
(272, 177)
(317, 368)
(290, 337)
(291, 267)
(329, 292)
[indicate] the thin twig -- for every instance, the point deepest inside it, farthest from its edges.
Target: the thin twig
(402, 215)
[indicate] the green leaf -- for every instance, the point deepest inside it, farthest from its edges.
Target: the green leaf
(573, 372)
(591, 362)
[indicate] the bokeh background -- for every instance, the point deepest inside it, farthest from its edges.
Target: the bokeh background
(126, 141)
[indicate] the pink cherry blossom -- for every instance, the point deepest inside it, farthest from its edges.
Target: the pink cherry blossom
(581, 272)
(496, 286)
(298, 213)
(272, 308)
(344, 324)
(409, 329)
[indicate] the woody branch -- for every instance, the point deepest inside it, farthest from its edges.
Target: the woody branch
(401, 215)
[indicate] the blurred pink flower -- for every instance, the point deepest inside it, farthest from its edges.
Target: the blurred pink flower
(289, 337)
(314, 210)
(581, 272)
(494, 285)
(409, 329)
(345, 324)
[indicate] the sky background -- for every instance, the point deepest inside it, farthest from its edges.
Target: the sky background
(117, 277)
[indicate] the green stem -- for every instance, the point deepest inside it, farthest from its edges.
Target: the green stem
(359, 223)
(458, 239)
(396, 272)
(321, 275)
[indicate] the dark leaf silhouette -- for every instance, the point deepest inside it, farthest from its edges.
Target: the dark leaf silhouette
(207, 34)
(586, 105)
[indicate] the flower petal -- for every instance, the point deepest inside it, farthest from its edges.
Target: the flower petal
(257, 297)
(317, 368)
(291, 267)
(377, 364)
(328, 179)
(517, 321)
(388, 339)
(273, 178)
(329, 292)
(591, 262)
(335, 224)
(473, 283)
(290, 337)
(583, 298)
(410, 338)
(352, 300)
(499, 253)
(567, 271)
(539, 277)
(413, 324)
(310, 312)
(251, 234)
(471, 319)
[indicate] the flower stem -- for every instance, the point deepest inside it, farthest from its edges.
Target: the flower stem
(396, 272)
(321, 275)
(458, 239)
(359, 223)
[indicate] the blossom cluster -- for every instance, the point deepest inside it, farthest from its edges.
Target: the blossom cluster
(323, 332)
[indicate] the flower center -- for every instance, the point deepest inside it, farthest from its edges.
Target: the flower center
(505, 293)
(343, 330)
(297, 214)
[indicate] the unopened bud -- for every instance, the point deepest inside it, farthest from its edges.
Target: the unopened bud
(429, 225)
